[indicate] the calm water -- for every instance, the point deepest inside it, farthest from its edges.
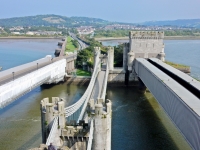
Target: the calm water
(17, 52)
(138, 122)
(185, 52)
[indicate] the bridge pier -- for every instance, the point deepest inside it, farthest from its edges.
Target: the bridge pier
(102, 124)
(49, 111)
(142, 86)
(70, 66)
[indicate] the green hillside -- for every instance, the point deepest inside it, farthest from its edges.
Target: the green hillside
(52, 20)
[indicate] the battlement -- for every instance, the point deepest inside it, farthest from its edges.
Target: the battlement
(110, 48)
(146, 35)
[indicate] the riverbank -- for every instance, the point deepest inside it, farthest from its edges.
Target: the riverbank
(24, 37)
(165, 38)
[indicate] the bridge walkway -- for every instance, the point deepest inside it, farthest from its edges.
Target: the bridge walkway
(19, 71)
(98, 86)
(96, 92)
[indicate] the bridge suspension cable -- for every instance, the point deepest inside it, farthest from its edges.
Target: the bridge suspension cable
(77, 110)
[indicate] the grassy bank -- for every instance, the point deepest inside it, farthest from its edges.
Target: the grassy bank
(175, 65)
(31, 37)
(183, 68)
(80, 72)
(70, 47)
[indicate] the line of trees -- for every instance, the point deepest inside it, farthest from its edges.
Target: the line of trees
(86, 55)
(123, 33)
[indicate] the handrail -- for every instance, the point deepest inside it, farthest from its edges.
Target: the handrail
(53, 129)
(103, 94)
(89, 147)
(73, 108)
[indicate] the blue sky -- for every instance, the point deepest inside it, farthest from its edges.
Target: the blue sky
(132, 11)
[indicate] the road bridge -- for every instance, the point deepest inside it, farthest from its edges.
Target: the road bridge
(19, 80)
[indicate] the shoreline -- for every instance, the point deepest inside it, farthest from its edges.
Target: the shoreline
(23, 37)
(165, 38)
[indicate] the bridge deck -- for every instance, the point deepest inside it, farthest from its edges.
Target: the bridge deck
(96, 92)
(178, 73)
(19, 71)
(187, 97)
(181, 105)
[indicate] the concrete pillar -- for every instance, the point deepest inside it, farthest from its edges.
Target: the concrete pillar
(111, 58)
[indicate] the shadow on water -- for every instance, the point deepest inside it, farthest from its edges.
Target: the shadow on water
(49, 86)
(18, 101)
(29, 142)
(136, 122)
(27, 95)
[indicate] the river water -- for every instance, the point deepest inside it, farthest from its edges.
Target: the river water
(138, 122)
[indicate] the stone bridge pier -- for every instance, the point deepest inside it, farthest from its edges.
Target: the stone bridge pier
(70, 66)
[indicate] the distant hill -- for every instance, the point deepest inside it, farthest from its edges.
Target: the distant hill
(57, 20)
(192, 23)
(52, 20)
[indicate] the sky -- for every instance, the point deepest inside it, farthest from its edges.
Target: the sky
(130, 11)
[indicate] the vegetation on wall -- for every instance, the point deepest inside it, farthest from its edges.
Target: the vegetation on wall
(86, 55)
(118, 55)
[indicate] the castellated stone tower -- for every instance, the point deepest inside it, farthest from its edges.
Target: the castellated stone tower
(102, 125)
(67, 135)
(49, 111)
(111, 57)
(144, 44)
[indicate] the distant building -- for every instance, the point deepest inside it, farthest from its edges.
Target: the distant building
(85, 30)
(30, 33)
(16, 33)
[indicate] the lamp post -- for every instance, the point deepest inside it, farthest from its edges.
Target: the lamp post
(13, 75)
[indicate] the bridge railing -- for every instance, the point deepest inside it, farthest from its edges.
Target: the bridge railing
(89, 147)
(77, 110)
(103, 94)
(11, 74)
(53, 131)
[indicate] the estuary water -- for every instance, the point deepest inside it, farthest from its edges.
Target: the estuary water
(138, 122)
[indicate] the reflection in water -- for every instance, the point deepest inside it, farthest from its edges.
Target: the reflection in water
(138, 122)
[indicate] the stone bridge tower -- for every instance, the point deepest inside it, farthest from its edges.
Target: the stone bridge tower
(142, 44)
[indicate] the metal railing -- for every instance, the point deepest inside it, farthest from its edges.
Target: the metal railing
(30, 67)
(103, 94)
